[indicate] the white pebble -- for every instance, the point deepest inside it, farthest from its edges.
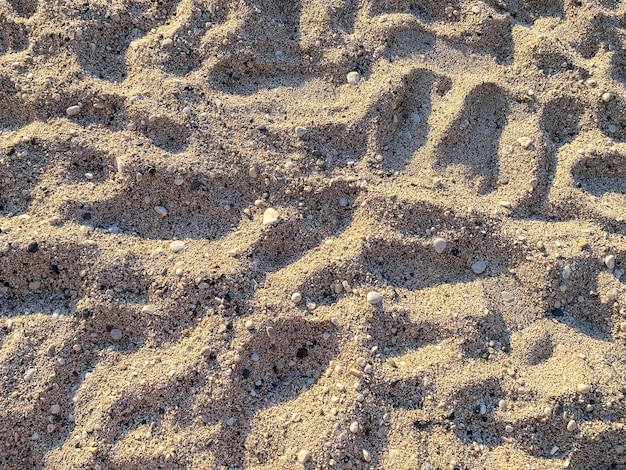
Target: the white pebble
(28, 376)
(149, 309)
(502, 405)
(583, 388)
(567, 272)
(296, 297)
(270, 216)
(572, 426)
(116, 334)
(304, 456)
(162, 211)
(249, 325)
(508, 297)
(366, 455)
(361, 362)
(353, 78)
(167, 43)
(301, 131)
(440, 245)
(479, 267)
(354, 427)
(374, 297)
(508, 429)
(525, 142)
(606, 97)
(73, 110)
(609, 261)
(177, 246)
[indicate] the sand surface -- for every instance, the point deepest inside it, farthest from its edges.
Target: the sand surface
(273, 234)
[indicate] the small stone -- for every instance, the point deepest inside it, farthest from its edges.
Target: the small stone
(508, 429)
(28, 376)
(32, 247)
(354, 427)
(361, 362)
(162, 211)
(606, 97)
(304, 456)
(270, 216)
(253, 171)
(353, 78)
(572, 426)
(116, 334)
(35, 285)
(583, 388)
(296, 297)
(271, 332)
(51, 351)
(167, 43)
(301, 131)
(230, 421)
(249, 325)
(525, 142)
(366, 455)
(374, 297)
(507, 297)
(622, 326)
(476, 9)
(440, 245)
(533, 182)
(73, 110)
(609, 261)
(479, 267)
(502, 405)
(567, 272)
(149, 309)
(177, 246)
(55, 409)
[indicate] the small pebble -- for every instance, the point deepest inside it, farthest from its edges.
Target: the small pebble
(609, 261)
(177, 246)
(296, 297)
(583, 388)
(73, 110)
(507, 297)
(32, 247)
(567, 272)
(301, 131)
(167, 43)
(622, 326)
(366, 455)
(353, 78)
(162, 211)
(508, 429)
(230, 421)
(572, 426)
(249, 325)
(374, 297)
(270, 216)
(304, 456)
(116, 334)
(525, 142)
(606, 97)
(271, 332)
(55, 409)
(440, 245)
(354, 427)
(502, 405)
(479, 267)
(533, 182)
(28, 376)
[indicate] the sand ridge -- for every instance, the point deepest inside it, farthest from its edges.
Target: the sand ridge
(141, 145)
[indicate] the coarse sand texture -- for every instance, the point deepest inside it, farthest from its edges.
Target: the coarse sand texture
(284, 234)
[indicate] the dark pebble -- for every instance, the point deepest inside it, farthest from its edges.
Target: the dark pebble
(245, 373)
(32, 247)
(87, 216)
(196, 184)
(302, 352)
(557, 312)
(54, 268)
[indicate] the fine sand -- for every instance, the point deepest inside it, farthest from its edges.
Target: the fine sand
(273, 234)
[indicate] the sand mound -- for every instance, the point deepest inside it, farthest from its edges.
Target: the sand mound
(197, 197)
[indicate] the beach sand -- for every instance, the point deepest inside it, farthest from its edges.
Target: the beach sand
(272, 234)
